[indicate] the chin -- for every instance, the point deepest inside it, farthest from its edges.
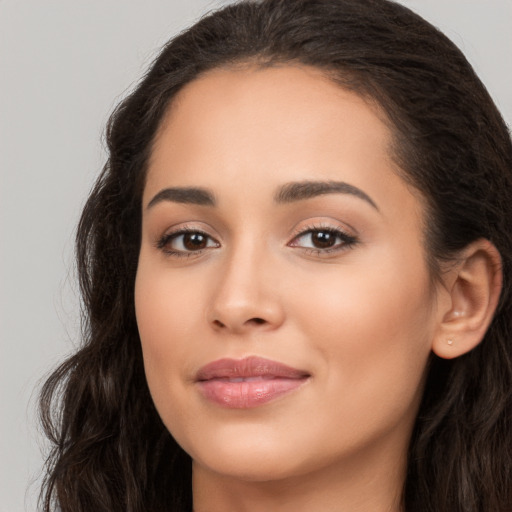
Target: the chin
(255, 467)
(248, 457)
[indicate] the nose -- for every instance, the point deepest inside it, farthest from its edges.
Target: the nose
(246, 298)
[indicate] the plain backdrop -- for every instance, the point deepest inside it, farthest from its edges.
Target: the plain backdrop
(64, 64)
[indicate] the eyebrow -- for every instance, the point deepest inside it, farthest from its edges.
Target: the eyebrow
(287, 193)
(298, 191)
(187, 195)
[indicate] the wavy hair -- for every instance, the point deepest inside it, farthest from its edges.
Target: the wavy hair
(111, 452)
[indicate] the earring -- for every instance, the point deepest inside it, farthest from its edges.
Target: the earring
(450, 342)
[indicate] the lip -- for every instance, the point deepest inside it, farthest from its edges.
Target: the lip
(247, 383)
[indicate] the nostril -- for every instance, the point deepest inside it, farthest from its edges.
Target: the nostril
(238, 324)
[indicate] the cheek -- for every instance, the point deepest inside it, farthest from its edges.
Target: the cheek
(165, 303)
(166, 311)
(373, 328)
(366, 308)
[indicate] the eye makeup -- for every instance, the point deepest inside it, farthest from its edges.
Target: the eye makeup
(314, 239)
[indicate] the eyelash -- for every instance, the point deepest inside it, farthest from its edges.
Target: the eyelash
(347, 241)
(169, 237)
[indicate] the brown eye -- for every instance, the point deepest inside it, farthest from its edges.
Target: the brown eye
(323, 239)
(194, 241)
(184, 242)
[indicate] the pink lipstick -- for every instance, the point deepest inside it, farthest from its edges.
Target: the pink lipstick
(247, 383)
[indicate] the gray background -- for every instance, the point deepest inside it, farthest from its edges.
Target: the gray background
(63, 66)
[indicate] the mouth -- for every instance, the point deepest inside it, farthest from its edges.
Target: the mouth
(249, 382)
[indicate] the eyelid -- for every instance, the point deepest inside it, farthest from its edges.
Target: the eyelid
(348, 240)
(344, 239)
(175, 232)
(186, 227)
(325, 223)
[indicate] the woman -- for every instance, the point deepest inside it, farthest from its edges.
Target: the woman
(295, 269)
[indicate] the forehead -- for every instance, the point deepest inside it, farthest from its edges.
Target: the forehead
(297, 102)
(261, 127)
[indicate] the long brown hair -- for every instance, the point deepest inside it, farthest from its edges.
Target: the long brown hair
(111, 451)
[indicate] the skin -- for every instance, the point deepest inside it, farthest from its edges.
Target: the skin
(360, 318)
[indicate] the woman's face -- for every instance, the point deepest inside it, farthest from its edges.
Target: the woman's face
(283, 300)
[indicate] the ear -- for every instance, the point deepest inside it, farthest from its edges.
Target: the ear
(473, 286)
